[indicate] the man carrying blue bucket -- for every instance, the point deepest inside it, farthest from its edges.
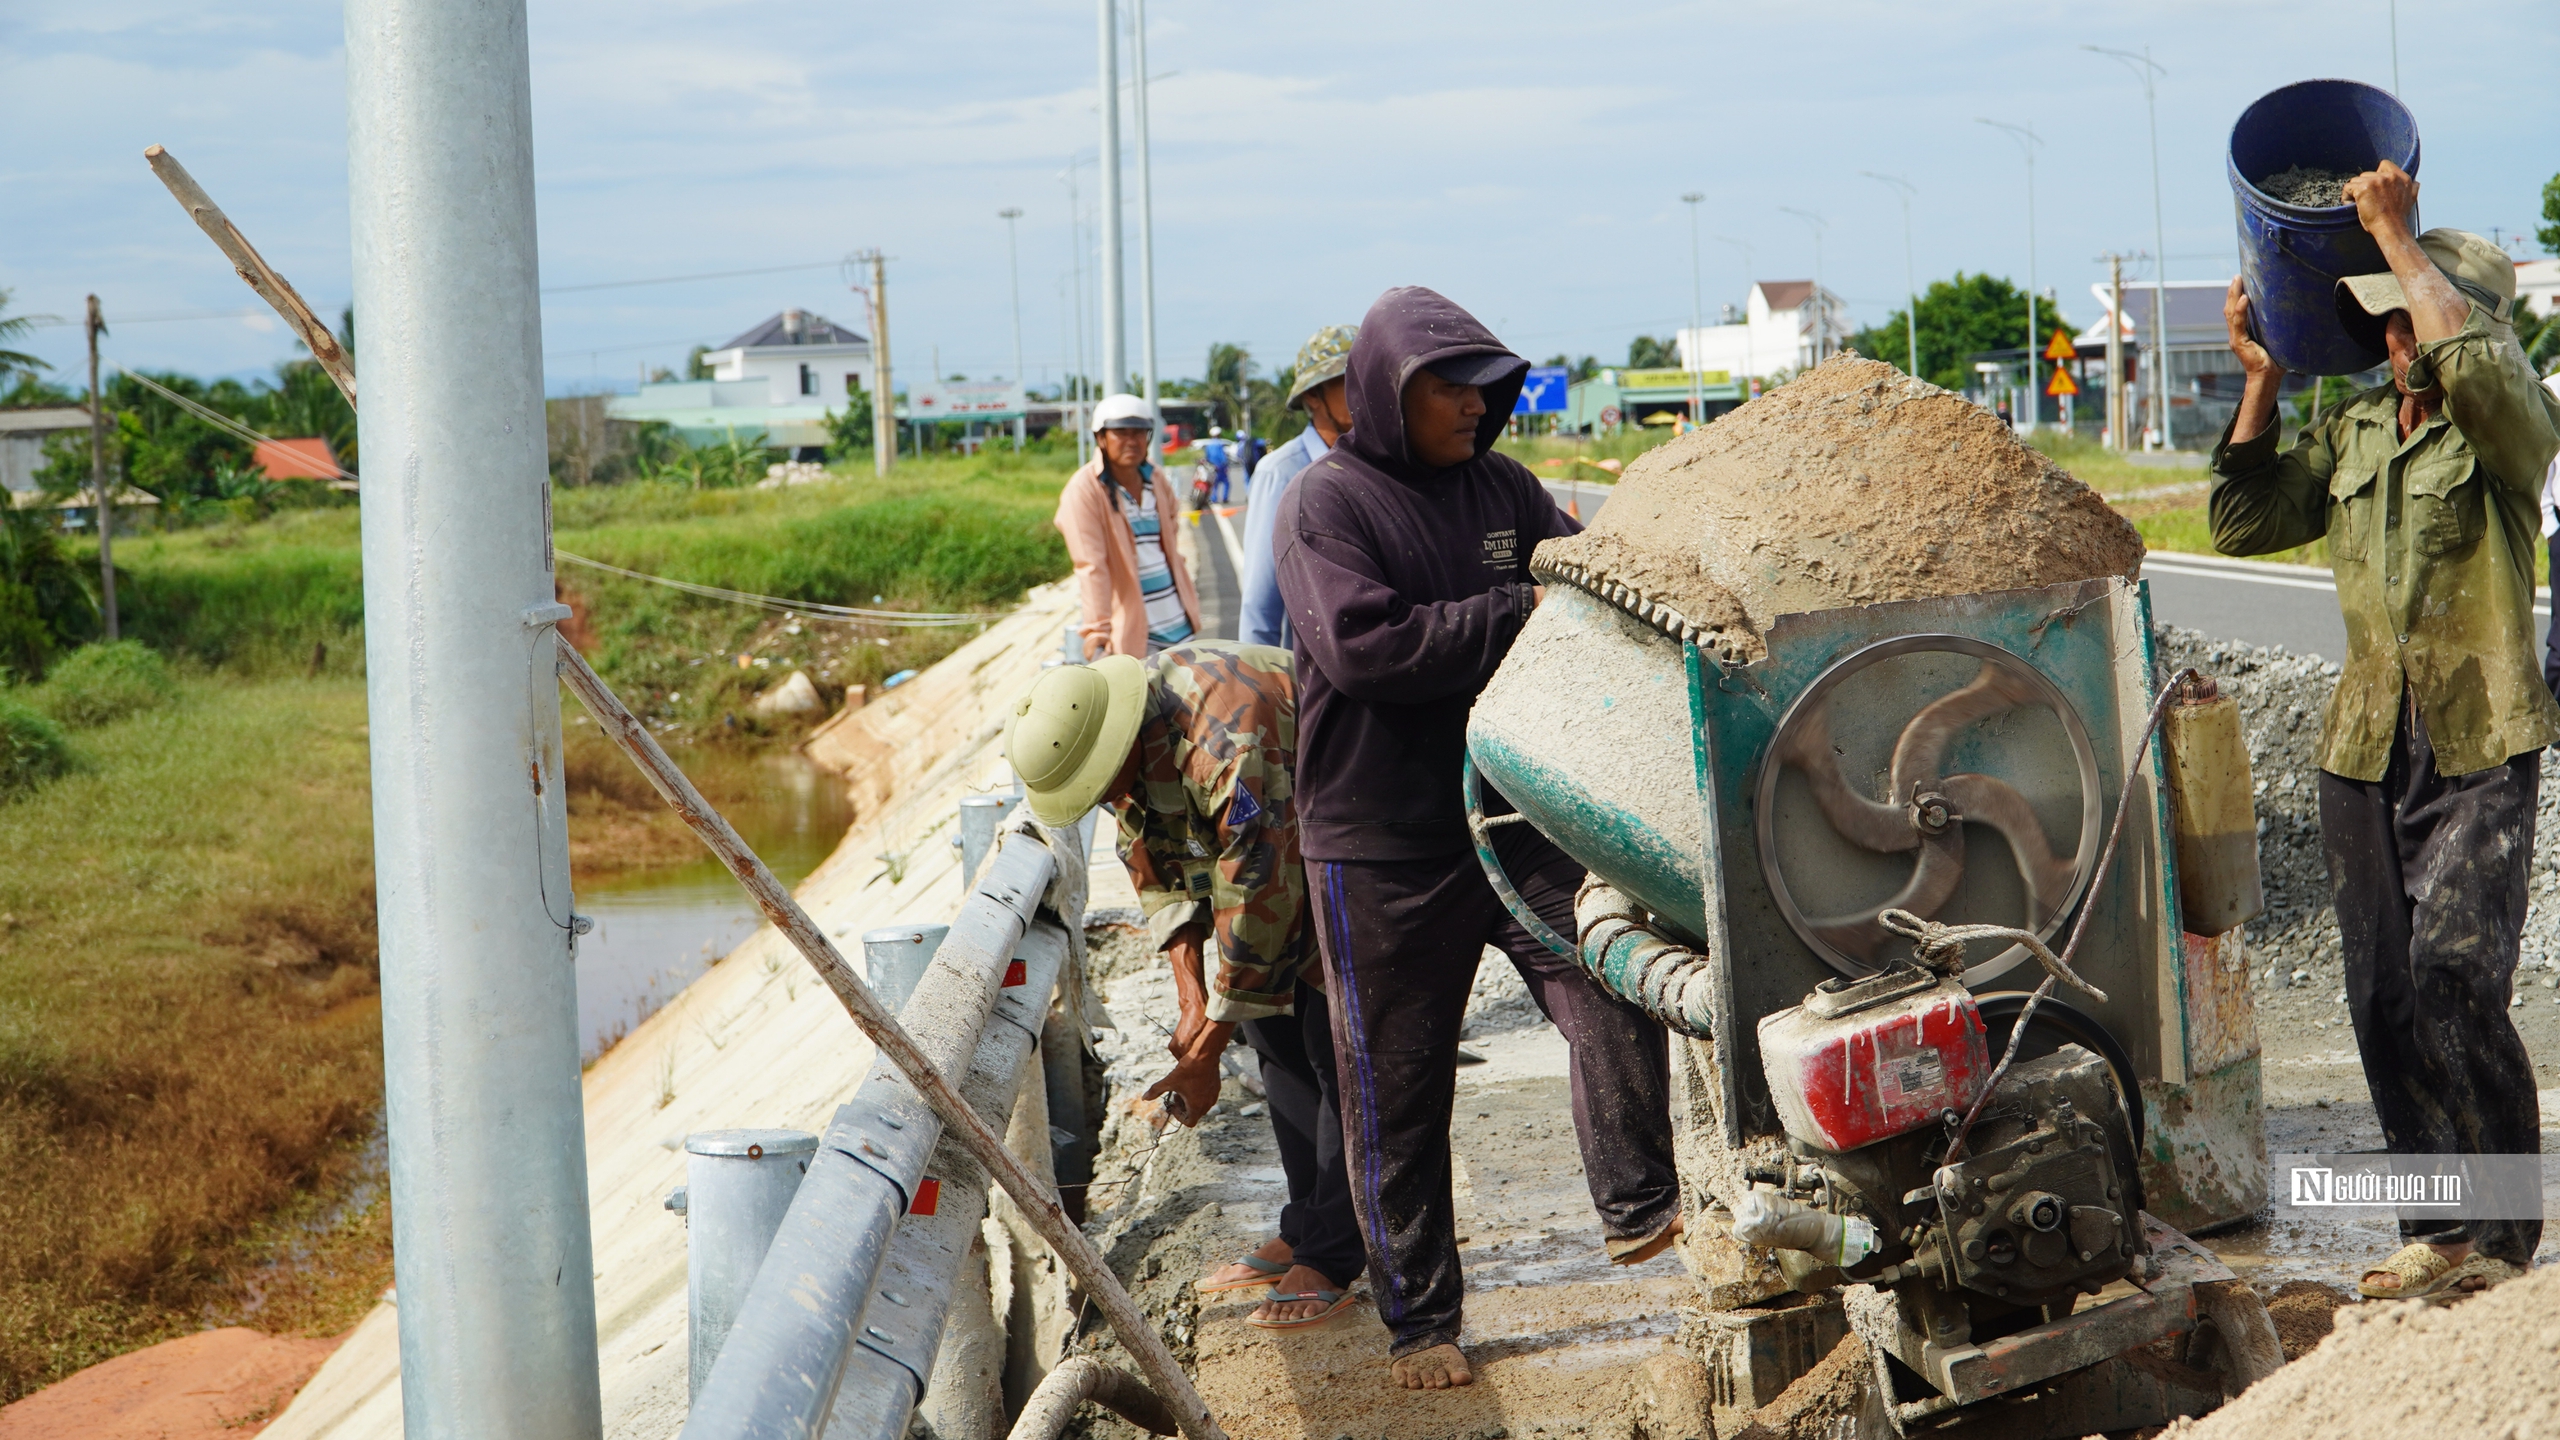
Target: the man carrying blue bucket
(2427, 491)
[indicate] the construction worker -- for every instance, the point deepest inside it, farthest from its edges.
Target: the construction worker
(1194, 748)
(1403, 555)
(1315, 386)
(2431, 754)
(1117, 514)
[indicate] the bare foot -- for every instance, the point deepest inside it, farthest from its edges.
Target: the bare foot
(1274, 1250)
(1299, 1281)
(1437, 1368)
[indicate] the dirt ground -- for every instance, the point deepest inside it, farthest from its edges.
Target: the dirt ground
(212, 1385)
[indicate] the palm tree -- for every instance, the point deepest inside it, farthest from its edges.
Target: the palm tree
(16, 362)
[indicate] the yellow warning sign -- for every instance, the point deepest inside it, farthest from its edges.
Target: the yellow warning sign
(2060, 349)
(2061, 383)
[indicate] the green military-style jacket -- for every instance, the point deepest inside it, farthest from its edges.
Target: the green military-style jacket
(2432, 540)
(1211, 832)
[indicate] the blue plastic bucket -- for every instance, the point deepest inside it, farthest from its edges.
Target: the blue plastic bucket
(2292, 256)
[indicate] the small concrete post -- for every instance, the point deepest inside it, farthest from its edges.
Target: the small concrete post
(737, 1185)
(894, 957)
(979, 817)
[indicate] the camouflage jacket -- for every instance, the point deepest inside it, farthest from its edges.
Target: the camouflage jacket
(1211, 832)
(2432, 539)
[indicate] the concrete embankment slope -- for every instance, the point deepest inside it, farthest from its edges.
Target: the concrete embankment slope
(755, 1042)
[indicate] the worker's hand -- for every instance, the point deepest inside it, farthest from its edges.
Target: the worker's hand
(2385, 197)
(1190, 987)
(2253, 357)
(1194, 1084)
(1537, 596)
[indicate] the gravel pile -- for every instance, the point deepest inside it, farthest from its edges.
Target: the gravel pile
(2294, 943)
(2307, 187)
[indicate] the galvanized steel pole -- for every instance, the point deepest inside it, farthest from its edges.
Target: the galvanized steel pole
(471, 859)
(1115, 337)
(1146, 237)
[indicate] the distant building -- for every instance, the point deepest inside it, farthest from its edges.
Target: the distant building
(2539, 282)
(301, 457)
(772, 385)
(22, 437)
(1785, 326)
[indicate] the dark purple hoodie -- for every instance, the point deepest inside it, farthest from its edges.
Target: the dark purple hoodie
(1405, 585)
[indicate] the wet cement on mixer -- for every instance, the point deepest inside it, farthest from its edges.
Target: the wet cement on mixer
(1850, 485)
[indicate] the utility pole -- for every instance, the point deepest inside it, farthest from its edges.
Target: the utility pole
(2027, 140)
(1013, 266)
(1697, 318)
(1750, 361)
(98, 476)
(1115, 338)
(2148, 71)
(2119, 410)
(1910, 276)
(488, 1149)
(1075, 252)
(884, 410)
(1821, 297)
(1146, 237)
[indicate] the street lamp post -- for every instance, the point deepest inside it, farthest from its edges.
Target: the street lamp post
(1697, 318)
(1146, 235)
(1910, 276)
(2027, 140)
(1013, 263)
(1115, 339)
(1821, 296)
(1750, 361)
(2148, 71)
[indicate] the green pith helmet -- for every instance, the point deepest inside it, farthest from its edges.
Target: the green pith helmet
(1071, 732)
(1325, 356)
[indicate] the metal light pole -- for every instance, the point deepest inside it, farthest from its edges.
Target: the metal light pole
(1821, 296)
(1910, 275)
(1115, 338)
(1146, 235)
(492, 1255)
(2148, 71)
(1750, 361)
(2027, 140)
(1013, 266)
(1075, 252)
(1697, 317)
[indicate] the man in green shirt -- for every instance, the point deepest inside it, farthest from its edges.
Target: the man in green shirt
(2427, 490)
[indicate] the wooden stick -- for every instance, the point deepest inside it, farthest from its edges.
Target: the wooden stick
(252, 266)
(1038, 1201)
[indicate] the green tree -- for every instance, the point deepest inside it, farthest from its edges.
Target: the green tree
(2548, 232)
(849, 433)
(1576, 371)
(1647, 353)
(45, 607)
(695, 367)
(16, 362)
(1959, 318)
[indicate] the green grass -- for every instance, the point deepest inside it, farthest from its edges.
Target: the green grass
(189, 1035)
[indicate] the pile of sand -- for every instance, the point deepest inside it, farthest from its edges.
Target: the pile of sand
(2487, 1366)
(1851, 485)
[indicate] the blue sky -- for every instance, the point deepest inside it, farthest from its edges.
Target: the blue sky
(1525, 159)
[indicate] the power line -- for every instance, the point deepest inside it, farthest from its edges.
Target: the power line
(683, 279)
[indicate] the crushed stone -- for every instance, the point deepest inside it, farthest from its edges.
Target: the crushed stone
(2304, 1312)
(2488, 1365)
(1850, 485)
(2308, 187)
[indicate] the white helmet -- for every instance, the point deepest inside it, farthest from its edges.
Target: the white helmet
(1122, 412)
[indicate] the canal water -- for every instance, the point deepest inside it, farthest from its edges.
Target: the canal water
(658, 930)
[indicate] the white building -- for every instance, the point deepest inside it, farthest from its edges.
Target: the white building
(2539, 282)
(1784, 327)
(800, 356)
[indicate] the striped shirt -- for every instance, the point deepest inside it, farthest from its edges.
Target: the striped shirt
(1167, 622)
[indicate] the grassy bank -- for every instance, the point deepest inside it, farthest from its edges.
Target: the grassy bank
(189, 1039)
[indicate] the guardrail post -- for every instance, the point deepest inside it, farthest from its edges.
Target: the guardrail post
(737, 1183)
(979, 817)
(895, 958)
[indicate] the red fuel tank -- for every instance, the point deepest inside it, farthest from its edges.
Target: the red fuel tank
(1865, 1060)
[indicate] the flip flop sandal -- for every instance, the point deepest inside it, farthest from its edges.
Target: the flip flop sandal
(1335, 1302)
(2476, 1273)
(2421, 1271)
(1266, 1272)
(1637, 1249)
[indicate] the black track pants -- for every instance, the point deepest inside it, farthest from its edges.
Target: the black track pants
(2429, 872)
(1401, 940)
(1306, 1118)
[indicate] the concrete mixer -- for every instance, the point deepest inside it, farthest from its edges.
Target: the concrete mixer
(1843, 793)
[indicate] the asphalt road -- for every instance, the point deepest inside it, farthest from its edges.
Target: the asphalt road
(2251, 601)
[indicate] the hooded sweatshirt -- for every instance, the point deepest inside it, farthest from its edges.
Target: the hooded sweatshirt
(1405, 585)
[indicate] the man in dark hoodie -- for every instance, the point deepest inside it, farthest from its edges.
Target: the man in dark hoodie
(1403, 558)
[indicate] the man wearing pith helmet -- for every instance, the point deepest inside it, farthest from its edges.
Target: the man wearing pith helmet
(1193, 748)
(2425, 488)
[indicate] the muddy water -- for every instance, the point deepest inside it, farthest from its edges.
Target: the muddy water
(657, 930)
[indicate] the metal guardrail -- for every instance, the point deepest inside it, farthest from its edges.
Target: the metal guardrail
(838, 1333)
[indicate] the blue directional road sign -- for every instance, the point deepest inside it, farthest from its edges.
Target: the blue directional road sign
(1543, 393)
